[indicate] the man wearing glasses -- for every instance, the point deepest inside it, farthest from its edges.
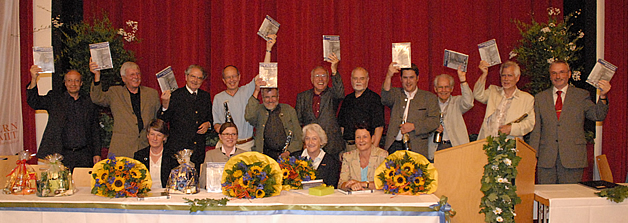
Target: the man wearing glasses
(186, 111)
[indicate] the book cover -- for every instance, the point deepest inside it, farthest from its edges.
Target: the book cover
(401, 54)
(453, 59)
(603, 70)
(44, 58)
(331, 44)
(350, 192)
(166, 79)
(101, 54)
(269, 26)
(489, 52)
(268, 73)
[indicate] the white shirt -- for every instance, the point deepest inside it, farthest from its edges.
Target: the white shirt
(410, 96)
(562, 95)
(443, 110)
(155, 172)
(316, 161)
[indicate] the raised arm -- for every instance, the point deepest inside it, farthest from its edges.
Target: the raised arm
(269, 47)
(479, 89)
(467, 94)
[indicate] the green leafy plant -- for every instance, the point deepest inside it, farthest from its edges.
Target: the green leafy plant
(202, 204)
(616, 194)
(500, 192)
(543, 43)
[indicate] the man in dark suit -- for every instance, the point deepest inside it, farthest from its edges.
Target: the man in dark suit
(72, 128)
(418, 108)
(188, 110)
(320, 104)
(558, 134)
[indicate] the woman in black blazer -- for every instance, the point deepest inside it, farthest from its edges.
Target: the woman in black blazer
(327, 166)
(154, 154)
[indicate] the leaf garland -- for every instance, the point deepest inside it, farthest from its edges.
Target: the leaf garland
(616, 194)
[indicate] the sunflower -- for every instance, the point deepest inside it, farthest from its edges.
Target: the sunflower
(119, 166)
(256, 170)
(102, 175)
(419, 181)
(135, 173)
(237, 173)
(232, 193)
(390, 173)
(260, 193)
(405, 189)
(302, 163)
(118, 184)
(408, 167)
(399, 180)
(313, 176)
(285, 173)
(244, 183)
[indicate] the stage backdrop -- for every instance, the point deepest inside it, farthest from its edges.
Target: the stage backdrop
(217, 33)
(11, 119)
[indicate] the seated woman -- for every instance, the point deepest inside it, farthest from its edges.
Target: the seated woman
(358, 166)
(326, 165)
(228, 134)
(158, 166)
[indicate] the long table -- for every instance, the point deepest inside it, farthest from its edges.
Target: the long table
(290, 206)
(575, 203)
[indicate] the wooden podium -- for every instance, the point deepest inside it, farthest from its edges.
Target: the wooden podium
(460, 170)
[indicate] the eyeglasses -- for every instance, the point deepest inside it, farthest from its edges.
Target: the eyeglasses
(320, 75)
(230, 134)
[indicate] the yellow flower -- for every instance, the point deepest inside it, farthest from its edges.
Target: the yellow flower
(135, 173)
(286, 173)
(399, 180)
(232, 193)
(118, 184)
(119, 165)
(260, 193)
(419, 181)
(237, 173)
(313, 175)
(244, 183)
(404, 189)
(256, 170)
(408, 167)
(390, 173)
(302, 163)
(102, 175)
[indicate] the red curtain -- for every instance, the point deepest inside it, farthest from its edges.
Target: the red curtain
(26, 60)
(615, 141)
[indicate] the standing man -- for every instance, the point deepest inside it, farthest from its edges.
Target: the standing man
(237, 97)
(186, 111)
(558, 135)
(453, 128)
(508, 110)
(133, 107)
(273, 123)
(72, 128)
(361, 106)
(418, 108)
(320, 104)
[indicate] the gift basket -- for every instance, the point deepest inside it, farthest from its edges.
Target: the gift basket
(56, 180)
(183, 179)
(23, 179)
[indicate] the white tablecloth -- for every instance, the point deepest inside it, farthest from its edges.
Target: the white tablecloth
(290, 206)
(574, 203)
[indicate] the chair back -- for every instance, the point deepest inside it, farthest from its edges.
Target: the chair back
(7, 163)
(82, 176)
(604, 169)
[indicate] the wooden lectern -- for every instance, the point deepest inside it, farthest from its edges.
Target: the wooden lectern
(460, 171)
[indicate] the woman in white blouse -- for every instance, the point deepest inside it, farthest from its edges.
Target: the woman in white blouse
(153, 158)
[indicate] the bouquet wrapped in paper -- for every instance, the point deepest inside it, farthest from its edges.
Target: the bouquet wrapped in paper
(251, 175)
(183, 179)
(56, 180)
(295, 171)
(22, 179)
(120, 177)
(407, 173)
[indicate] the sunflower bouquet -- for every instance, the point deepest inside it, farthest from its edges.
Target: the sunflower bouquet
(408, 173)
(251, 175)
(295, 171)
(120, 177)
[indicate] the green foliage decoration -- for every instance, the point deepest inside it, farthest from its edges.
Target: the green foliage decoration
(616, 194)
(202, 204)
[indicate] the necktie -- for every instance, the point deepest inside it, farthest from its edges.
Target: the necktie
(559, 104)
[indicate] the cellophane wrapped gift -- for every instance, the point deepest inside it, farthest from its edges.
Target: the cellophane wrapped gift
(56, 180)
(22, 179)
(183, 179)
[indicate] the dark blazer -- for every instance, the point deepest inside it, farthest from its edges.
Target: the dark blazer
(330, 99)
(328, 170)
(185, 113)
(551, 136)
(125, 139)
(257, 115)
(51, 141)
(424, 113)
(167, 163)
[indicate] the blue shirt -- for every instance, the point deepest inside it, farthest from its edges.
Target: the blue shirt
(237, 105)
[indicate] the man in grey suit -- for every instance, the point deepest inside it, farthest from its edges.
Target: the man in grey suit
(320, 104)
(558, 134)
(418, 108)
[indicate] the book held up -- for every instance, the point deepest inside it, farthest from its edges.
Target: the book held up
(44, 58)
(453, 59)
(331, 44)
(269, 26)
(603, 70)
(101, 54)
(489, 52)
(268, 73)
(401, 54)
(166, 79)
